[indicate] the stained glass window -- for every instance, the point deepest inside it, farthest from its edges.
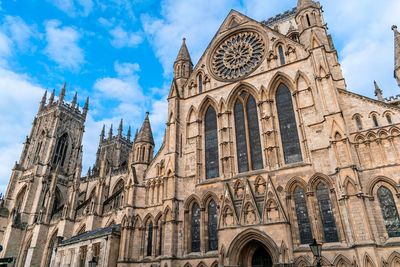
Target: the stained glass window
(195, 233)
(61, 150)
(150, 239)
(326, 213)
(241, 146)
(248, 144)
(160, 239)
(212, 226)
(200, 82)
(303, 220)
(389, 212)
(281, 55)
(288, 126)
(211, 144)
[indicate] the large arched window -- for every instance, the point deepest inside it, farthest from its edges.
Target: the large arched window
(212, 226)
(149, 239)
(195, 230)
(248, 144)
(288, 126)
(61, 150)
(303, 220)
(389, 212)
(326, 213)
(211, 144)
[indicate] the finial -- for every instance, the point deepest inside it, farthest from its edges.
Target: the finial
(394, 28)
(378, 92)
(121, 123)
(43, 101)
(102, 134)
(62, 94)
(51, 99)
(86, 107)
(128, 136)
(110, 133)
(136, 134)
(74, 100)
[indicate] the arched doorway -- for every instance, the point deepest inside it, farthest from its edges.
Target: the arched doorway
(255, 254)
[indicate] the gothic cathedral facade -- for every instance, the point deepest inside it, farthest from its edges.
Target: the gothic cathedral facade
(265, 149)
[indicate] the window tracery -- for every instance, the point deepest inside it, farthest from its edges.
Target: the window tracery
(195, 229)
(211, 144)
(303, 220)
(389, 212)
(212, 226)
(61, 150)
(326, 213)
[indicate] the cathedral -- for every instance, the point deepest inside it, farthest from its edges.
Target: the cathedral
(265, 149)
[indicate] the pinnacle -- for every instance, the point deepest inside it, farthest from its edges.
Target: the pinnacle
(145, 134)
(183, 52)
(305, 3)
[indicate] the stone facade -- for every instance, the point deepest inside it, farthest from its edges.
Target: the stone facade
(264, 150)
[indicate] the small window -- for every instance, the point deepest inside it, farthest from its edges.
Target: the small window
(358, 123)
(389, 118)
(200, 83)
(195, 233)
(375, 120)
(281, 55)
(150, 239)
(308, 20)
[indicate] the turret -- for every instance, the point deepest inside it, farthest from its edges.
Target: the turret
(311, 25)
(396, 54)
(86, 107)
(144, 144)
(378, 92)
(183, 65)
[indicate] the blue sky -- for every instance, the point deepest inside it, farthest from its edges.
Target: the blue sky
(120, 53)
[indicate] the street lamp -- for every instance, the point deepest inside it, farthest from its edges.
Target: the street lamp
(316, 250)
(93, 262)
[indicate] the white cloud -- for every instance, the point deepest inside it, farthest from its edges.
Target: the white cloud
(19, 31)
(122, 38)
(62, 45)
(74, 7)
(5, 46)
(126, 69)
(16, 90)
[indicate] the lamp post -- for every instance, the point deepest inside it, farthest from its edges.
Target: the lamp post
(316, 250)
(93, 262)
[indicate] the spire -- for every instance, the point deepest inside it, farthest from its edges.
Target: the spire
(62, 94)
(110, 133)
(74, 100)
(86, 107)
(378, 92)
(51, 99)
(102, 134)
(120, 128)
(128, 136)
(396, 53)
(136, 135)
(183, 53)
(301, 4)
(145, 134)
(43, 101)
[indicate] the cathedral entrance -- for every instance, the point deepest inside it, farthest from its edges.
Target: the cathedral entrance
(255, 254)
(261, 258)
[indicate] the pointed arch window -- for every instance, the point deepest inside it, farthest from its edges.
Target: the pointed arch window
(160, 238)
(211, 144)
(326, 213)
(358, 123)
(212, 226)
(195, 231)
(150, 239)
(389, 118)
(288, 126)
(303, 220)
(248, 144)
(281, 55)
(389, 211)
(61, 150)
(200, 83)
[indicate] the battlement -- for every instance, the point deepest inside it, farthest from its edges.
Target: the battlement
(391, 99)
(280, 17)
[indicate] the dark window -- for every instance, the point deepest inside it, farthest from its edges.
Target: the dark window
(150, 239)
(303, 220)
(389, 212)
(200, 83)
(308, 20)
(358, 123)
(281, 55)
(195, 231)
(211, 144)
(212, 226)
(61, 150)
(287, 125)
(248, 144)
(241, 147)
(326, 213)
(389, 118)
(160, 239)
(375, 120)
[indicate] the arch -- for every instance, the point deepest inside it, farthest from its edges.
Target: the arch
(382, 133)
(20, 198)
(148, 218)
(301, 78)
(51, 246)
(293, 182)
(191, 115)
(276, 80)
(118, 185)
(207, 197)
(205, 103)
(187, 265)
(110, 222)
(81, 229)
(201, 264)
(61, 149)
(167, 214)
(350, 186)
(342, 261)
(25, 247)
(190, 200)
(394, 131)
(317, 178)
(368, 262)
(371, 136)
(137, 222)
(214, 264)
(393, 259)
(373, 182)
(243, 238)
(236, 91)
(301, 261)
